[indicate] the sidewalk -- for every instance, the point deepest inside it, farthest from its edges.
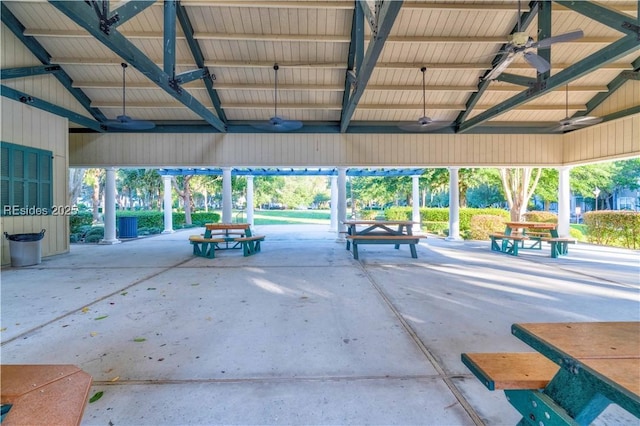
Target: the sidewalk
(300, 333)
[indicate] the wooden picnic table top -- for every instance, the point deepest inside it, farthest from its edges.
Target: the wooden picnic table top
(379, 222)
(44, 394)
(609, 352)
(218, 226)
(531, 225)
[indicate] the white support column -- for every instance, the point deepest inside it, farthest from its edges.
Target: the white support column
(334, 204)
(564, 201)
(167, 206)
(415, 202)
(250, 200)
(454, 206)
(110, 208)
(227, 202)
(342, 202)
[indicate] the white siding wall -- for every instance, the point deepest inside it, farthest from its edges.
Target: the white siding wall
(607, 141)
(46, 87)
(612, 140)
(320, 150)
(28, 126)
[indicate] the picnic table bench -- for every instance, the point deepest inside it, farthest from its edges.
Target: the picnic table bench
(577, 371)
(412, 240)
(394, 232)
(43, 394)
(516, 234)
(231, 235)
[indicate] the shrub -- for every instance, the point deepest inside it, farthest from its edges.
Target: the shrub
(577, 234)
(369, 214)
(94, 235)
(615, 228)
(149, 231)
(441, 215)
(80, 219)
(540, 216)
(482, 225)
(155, 219)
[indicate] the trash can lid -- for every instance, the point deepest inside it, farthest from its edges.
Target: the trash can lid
(35, 236)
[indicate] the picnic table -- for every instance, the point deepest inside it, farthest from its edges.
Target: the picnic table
(530, 236)
(394, 232)
(219, 236)
(41, 394)
(578, 370)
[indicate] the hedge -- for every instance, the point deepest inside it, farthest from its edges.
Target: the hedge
(155, 219)
(430, 215)
(149, 222)
(613, 228)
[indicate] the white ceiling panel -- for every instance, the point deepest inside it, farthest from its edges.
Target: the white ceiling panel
(456, 40)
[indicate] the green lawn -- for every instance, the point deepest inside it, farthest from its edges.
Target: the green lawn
(286, 217)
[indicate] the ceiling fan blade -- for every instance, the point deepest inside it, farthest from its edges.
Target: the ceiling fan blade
(501, 67)
(560, 38)
(428, 127)
(538, 62)
(278, 124)
(124, 122)
(574, 123)
(583, 121)
(275, 123)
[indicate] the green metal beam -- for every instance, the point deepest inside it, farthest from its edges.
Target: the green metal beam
(364, 7)
(516, 79)
(27, 99)
(43, 56)
(188, 76)
(169, 8)
(357, 24)
(617, 49)
(388, 11)
(10, 73)
(359, 35)
(620, 114)
(86, 18)
(614, 85)
(544, 31)
(525, 20)
(603, 14)
(196, 52)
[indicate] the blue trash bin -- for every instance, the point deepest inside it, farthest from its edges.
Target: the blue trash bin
(128, 227)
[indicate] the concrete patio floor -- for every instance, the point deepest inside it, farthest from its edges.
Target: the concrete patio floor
(300, 333)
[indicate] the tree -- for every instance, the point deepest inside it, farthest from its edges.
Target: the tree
(585, 179)
(547, 188)
(76, 176)
(94, 178)
(267, 189)
(627, 174)
(181, 185)
(518, 188)
(206, 185)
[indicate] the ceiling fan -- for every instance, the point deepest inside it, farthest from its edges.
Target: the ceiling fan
(573, 123)
(123, 121)
(276, 123)
(520, 44)
(424, 123)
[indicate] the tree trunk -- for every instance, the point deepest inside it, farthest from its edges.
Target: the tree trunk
(95, 199)
(76, 177)
(518, 189)
(185, 196)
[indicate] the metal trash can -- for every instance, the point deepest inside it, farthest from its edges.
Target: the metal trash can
(128, 226)
(25, 249)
